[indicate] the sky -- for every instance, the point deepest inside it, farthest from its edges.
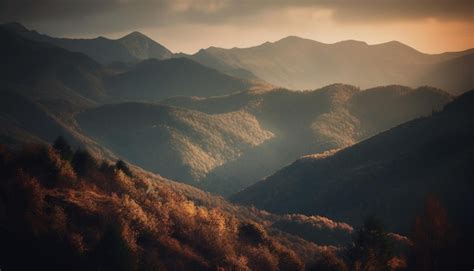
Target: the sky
(430, 26)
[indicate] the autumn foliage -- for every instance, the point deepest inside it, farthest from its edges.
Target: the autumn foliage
(69, 211)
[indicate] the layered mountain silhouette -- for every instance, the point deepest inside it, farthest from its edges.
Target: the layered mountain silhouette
(178, 143)
(307, 122)
(42, 65)
(41, 80)
(298, 63)
(133, 47)
(221, 144)
(158, 79)
(214, 62)
(148, 143)
(292, 62)
(49, 69)
(389, 175)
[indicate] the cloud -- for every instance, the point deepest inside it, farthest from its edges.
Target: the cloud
(115, 15)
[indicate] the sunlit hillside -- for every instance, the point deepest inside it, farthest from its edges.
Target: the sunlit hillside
(389, 175)
(61, 209)
(309, 122)
(179, 143)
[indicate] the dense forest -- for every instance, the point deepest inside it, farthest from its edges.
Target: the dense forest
(61, 208)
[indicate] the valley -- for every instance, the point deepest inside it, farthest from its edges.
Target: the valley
(120, 154)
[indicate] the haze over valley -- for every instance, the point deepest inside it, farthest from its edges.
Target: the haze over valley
(118, 152)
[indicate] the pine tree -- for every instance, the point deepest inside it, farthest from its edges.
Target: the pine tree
(371, 248)
(121, 165)
(83, 162)
(62, 146)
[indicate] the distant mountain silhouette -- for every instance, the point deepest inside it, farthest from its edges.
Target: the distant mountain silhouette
(214, 62)
(154, 79)
(298, 63)
(292, 62)
(58, 72)
(221, 153)
(389, 175)
(47, 70)
(130, 48)
(454, 73)
(40, 79)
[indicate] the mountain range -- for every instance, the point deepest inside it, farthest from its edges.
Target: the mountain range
(121, 155)
(298, 63)
(152, 80)
(133, 47)
(222, 143)
(389, 175)
(292, 62)
(308, 122)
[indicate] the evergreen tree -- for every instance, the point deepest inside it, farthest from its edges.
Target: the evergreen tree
(62, 146)
(433, 239)
(371, 248)
(83, 162)
(121, 165)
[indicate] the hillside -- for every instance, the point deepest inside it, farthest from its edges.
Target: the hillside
(454, 74)
(298, 63)
(48, 70)
(63, 209)
(214, 62)
(52, 73)
(22, 120)
(389, 175)
(178, 143)
(44, 87)
(153, 80)
(62, 84)
(308, 122)
(133, 47)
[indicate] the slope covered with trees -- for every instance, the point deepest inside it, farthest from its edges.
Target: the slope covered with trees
(59, 84)
(65, 209)
(309, 122)
(43, 86)
(178, 143)
(389, 175)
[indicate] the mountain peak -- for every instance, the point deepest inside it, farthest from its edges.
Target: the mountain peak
(135, 35)
(396, 44)
(142, 47)
(351, 43)
(15, 26)
(291, 37)
(295, 39)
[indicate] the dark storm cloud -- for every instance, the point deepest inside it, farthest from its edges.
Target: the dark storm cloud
(117, 15)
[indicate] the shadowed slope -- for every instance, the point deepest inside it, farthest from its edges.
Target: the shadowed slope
(130, 48)
(178, 143)
(307, 122)
(44, 66)
(388, 175)
(154, 80)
